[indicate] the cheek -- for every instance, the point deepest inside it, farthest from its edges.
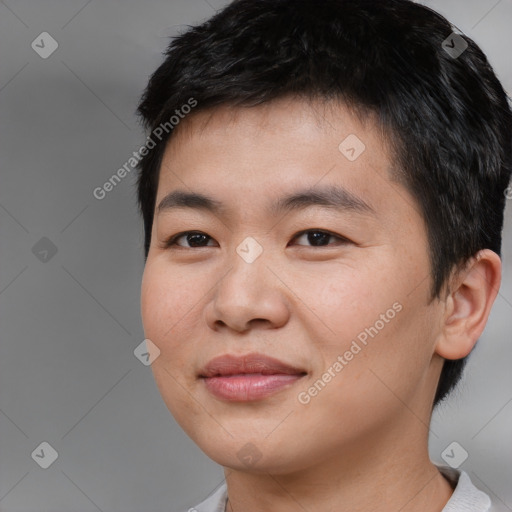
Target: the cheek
(166, 300)
(369, 311)
(153, 301)
(344, 299)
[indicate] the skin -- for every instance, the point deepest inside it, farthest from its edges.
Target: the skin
(361, 442)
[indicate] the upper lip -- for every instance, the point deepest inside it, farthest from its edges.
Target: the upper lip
(228, 364)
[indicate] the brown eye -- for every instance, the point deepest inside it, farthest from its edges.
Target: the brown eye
(320, 238)
(193, 238)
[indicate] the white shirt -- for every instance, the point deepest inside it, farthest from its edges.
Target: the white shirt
(465, 498)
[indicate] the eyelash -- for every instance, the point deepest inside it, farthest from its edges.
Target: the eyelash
(171, 241)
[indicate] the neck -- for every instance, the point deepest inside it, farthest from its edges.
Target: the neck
(387, 474)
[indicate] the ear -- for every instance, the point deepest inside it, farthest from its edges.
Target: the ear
(468, 305)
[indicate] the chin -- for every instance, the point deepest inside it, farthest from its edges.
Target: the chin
(253, 454)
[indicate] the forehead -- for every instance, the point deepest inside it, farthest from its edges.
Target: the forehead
(288, 116)
(279, 129)
(248, 154)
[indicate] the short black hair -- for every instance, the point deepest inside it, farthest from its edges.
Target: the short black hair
(447, 118)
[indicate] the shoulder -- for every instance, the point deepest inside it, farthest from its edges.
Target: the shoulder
(466, 496)
(215, 502)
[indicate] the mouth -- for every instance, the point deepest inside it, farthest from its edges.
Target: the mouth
(248, 378)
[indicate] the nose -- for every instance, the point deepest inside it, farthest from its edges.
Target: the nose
(249, 294)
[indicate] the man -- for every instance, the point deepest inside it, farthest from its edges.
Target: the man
(323, 205)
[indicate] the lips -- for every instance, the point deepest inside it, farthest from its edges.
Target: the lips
(249, 377)
(251, 363)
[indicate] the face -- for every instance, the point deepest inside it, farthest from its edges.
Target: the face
(305, 251)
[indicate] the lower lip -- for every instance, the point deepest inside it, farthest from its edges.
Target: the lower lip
(248, 387)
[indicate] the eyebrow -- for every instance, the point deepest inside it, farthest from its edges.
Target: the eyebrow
(331, 196)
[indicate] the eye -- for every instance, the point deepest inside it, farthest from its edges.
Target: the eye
(194, 238)
(320, 238)
(316, 237)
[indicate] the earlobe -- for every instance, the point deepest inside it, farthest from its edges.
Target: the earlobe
(468, 305)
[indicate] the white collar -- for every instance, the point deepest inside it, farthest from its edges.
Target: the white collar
(465, 498)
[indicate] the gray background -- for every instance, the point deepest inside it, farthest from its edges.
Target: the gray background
(69, 325)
